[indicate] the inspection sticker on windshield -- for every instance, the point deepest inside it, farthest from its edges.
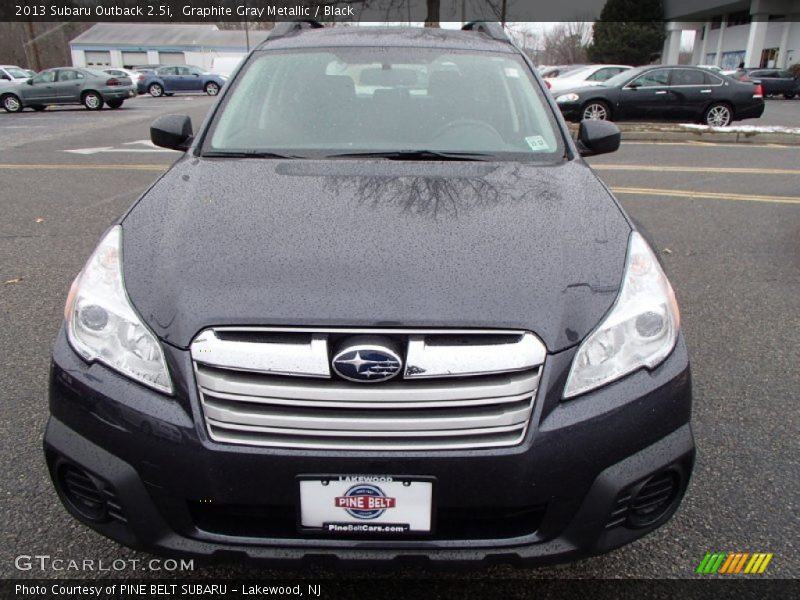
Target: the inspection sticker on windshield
(511, 72)
(365, 504)
(537, 143)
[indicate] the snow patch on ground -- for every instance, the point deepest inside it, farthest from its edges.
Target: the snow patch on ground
(743, 129)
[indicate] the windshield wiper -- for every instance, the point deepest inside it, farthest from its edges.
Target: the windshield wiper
(247, 154)
(416, 155)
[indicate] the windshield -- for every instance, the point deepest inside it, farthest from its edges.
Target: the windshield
(16, 73)
(371, 100)
(572, 71)
(622, 78)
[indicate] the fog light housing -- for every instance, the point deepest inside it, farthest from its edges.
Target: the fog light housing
(82, 493)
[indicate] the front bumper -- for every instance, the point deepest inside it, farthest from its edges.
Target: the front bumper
(571, 111)
(180, 493)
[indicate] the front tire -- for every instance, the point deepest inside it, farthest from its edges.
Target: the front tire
(92, 101)
(114, 104)
(212, 88)
(12, 103)
(789, 95)
(155, 90)
(718, 115)
(596, 110)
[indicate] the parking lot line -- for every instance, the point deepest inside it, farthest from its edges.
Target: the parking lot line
(83, 167)
(597, 167)
(706, 195)
(688, 169)
(699, 144)
(617, 190)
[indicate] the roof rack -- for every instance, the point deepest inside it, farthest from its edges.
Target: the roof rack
(285, 28)
(491, 28)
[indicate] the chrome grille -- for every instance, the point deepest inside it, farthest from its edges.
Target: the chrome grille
(258, 391)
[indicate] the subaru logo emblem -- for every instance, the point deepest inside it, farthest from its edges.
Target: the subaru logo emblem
(367, 362)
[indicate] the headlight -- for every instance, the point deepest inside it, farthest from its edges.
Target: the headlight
(640, 331)
(102, 325)
(567, 98)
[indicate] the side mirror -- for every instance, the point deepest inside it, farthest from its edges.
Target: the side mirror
(172, 131)
(5, 77)
(30, 81)
(634, 85)
(598, 137)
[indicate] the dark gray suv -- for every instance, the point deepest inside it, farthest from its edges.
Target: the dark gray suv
(381, 309)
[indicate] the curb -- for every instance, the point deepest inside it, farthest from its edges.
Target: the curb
(660, 134)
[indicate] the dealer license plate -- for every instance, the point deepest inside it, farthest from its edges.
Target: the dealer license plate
(356, 504)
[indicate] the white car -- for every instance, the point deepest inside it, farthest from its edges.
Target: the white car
(12, 73)
(120, 72)
(226, 65)
(591, 75)
(714, 68)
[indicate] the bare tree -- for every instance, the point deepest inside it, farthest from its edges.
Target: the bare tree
(565, 43)
(527, 38)
(38, 45)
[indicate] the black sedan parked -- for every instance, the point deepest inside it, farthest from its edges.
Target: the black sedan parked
(776, 82)
(665, 93)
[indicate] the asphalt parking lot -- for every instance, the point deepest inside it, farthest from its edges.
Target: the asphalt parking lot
(778, 112)
(726, 219)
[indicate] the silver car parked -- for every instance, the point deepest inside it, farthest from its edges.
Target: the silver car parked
(13, 73)
(68, 85)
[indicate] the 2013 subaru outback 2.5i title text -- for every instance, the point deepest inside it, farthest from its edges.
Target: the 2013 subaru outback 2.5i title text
(380, 309)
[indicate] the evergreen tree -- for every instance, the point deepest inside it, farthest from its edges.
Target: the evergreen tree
(629, 32)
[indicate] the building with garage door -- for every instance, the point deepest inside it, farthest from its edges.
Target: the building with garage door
(135, 44)
(758, 33)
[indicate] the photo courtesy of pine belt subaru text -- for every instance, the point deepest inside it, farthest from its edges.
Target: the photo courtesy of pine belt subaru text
(379, 310)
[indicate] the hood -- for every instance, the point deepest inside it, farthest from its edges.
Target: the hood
(568, 83)
(374, 243)
(583, 87)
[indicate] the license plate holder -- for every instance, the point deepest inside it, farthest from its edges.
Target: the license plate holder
(365, 505)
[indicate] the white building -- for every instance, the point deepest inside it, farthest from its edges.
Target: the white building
(130, 44)
(758, 33)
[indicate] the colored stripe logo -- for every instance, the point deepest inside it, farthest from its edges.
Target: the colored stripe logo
(733, 563)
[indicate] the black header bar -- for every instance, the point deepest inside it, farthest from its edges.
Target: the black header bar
(352, 11)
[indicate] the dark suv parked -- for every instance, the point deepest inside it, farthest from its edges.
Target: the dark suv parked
(381, 309)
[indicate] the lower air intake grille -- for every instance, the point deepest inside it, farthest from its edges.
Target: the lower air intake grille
(644, 503)
(653, 499)
(82, 492)
(88, 495)
(452, 523)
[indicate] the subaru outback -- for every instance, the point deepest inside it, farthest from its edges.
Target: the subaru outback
(380, 309)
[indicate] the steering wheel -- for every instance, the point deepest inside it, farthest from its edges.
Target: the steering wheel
(466, 123)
